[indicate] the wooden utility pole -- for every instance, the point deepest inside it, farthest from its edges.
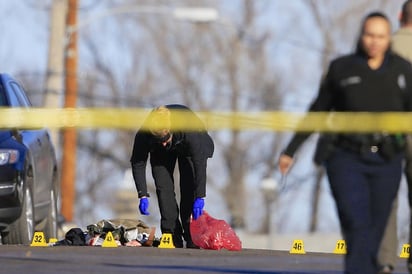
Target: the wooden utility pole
(69, 137)
(55, 64)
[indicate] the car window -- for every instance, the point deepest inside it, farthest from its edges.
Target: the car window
(3, 100)
(13, 100)
(20, 95)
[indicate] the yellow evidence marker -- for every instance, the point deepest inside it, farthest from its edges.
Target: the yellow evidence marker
(166, 241)
(340, 247)
(405, 252)
(297, 247)
(109, 241)
(53, 240)
(38, 239)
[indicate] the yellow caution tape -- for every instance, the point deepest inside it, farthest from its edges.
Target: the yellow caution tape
(132, 119)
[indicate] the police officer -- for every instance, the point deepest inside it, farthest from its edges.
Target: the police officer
(191, 148)
(364, 170)
(402, 45)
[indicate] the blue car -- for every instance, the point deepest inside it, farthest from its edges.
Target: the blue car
(28, 175)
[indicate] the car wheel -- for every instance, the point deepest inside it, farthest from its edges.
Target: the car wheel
(21, 231)
(50, 229)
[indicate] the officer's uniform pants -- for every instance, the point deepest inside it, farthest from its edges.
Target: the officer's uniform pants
(364, 188)
(163, 165)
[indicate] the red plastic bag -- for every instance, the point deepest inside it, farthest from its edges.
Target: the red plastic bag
(210, 233)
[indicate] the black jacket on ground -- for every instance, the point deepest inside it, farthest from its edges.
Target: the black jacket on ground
(351, 85)
(196, 145)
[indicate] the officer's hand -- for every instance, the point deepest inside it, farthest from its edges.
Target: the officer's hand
(144, 206)
(198, 207)
(285, 163)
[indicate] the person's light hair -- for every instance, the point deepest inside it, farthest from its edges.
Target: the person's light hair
(159, 121)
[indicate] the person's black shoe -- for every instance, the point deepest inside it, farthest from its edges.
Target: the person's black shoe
(156, 242)
(191, 245)
(177, 241)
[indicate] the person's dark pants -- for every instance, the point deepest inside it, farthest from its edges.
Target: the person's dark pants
(163, 165)
(408, 173)
(389, 245)
(364, 189)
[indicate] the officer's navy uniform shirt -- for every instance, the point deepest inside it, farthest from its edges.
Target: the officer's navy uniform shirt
(351, 85)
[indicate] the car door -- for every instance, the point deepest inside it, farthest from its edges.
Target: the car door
(37, 141)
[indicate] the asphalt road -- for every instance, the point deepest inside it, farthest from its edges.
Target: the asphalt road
(69, 259)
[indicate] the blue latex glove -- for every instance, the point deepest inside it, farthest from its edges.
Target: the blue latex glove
(198, 207)
(144, 206)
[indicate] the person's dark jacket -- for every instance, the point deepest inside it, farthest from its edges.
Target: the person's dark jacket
(196, 145)
(352, 86)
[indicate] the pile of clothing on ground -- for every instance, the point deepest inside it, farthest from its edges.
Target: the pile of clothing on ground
(126, 232)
